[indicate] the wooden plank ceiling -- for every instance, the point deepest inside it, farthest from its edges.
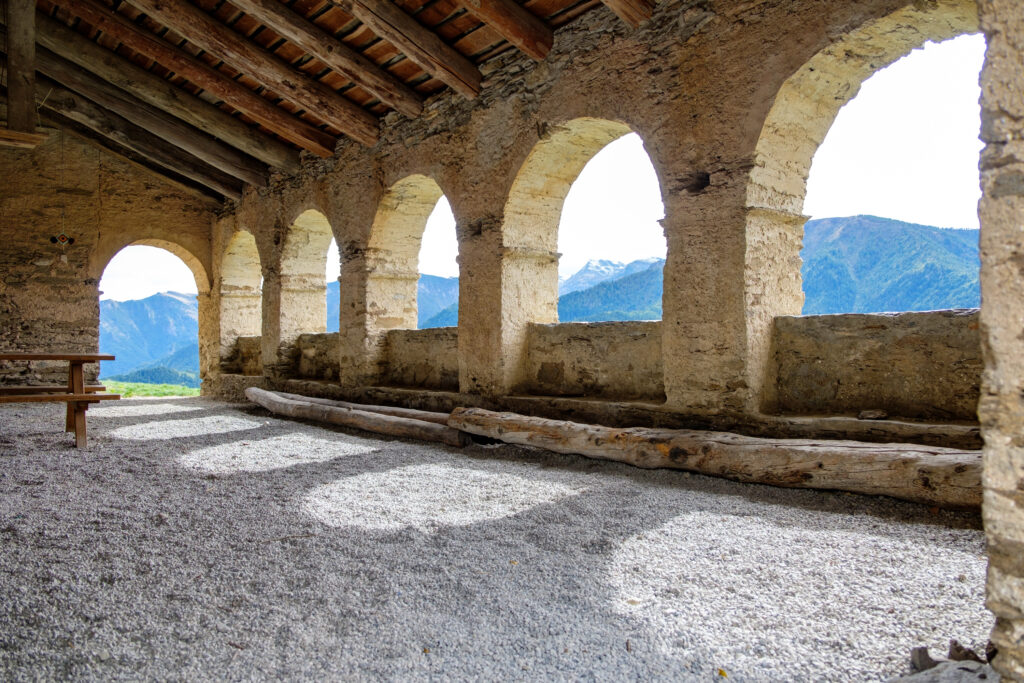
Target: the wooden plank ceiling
(218, 94)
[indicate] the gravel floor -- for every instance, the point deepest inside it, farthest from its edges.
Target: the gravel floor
(197, 540)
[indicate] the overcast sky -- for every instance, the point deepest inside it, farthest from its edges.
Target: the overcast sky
(906, 147)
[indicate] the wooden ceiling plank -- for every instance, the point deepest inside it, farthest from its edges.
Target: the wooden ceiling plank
(154, 90)
(633, 12)
(515, 24)
(334, 54)
(418, 43)
(130, 136)
(199, 73)
(213, 36)
(200, 145)
(21, 57)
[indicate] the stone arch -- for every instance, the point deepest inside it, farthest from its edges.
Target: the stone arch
(534, 206)
(393, 251)
(803, 111)
(303, 260)
(240, 286)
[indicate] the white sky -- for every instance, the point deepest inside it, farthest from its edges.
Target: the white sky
(906, 148)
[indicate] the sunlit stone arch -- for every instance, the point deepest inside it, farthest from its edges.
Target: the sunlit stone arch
(803, 111)
(303, 261)
(240, 286)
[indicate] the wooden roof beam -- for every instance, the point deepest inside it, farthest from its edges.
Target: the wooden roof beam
(633, 12)
(21, 57)
(126, 134)
(334, 53)
(160, 93)
(418, 43)
(201, 29)
(201, 74)
(176, 132)
(514, 23)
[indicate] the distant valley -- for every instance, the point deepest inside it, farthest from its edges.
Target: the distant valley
(858, 264)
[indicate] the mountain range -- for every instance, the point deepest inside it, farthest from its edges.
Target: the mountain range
(858, 264)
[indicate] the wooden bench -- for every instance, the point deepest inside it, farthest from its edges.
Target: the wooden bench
(75, 394)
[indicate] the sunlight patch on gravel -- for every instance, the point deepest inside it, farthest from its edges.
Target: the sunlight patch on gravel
(435, 495)
(286, 450)
(177, 429)
(140, 408)
(774, 590)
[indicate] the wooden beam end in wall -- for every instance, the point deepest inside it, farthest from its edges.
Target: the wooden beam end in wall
(516, 24)
(633, 12)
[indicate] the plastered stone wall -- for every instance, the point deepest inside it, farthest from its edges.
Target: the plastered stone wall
(608, 360)
(1002, 296)
(49, 300)
(427, 359)
(917, 365)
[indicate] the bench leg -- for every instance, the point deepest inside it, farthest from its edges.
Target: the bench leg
(79, 416)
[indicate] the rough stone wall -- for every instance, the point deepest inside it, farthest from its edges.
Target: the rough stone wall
(917, 365)
(1002, 295)
(49, 300)
(244, 358)
(427, 359)
(316, 356)
(619, 360)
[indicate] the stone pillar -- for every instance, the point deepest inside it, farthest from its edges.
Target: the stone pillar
(703, 325)
(239, 316)
(209, 336)
(1002, 295)
(481, 348)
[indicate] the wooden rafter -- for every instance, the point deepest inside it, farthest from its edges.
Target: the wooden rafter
(21, 50)
(154, 90)
(118, 129)
(417, 42)
(201, 74)
(515, 23)
(195, 142)
(203, 30)
(335, 54)
(633, 12)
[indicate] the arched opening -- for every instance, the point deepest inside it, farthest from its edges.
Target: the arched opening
(610, 242)
(303, 264)
(150, 315)
(804, 109)
(893, 190)
(410, 228)
(332, 279)
(241, 305)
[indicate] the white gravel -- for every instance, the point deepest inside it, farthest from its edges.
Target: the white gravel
(197, 540)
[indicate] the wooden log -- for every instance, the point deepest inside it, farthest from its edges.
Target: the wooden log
(123, 132)
(201, 74)
(159, 93)
(195, 142)
(935, 476)
(203, 30)
(359, 419)
(633, 12)
(21, 59)
(411, 413)
(334, 53)
(418, 43)
(514, 23)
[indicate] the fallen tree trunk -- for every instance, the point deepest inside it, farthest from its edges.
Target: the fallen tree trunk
(936, 476)
(370, 422)
(412, 414)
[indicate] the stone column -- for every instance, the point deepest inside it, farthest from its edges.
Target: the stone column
(703, 325)
(209, 336)
(1002, 295)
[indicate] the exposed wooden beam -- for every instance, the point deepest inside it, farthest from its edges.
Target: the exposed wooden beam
(195, 142)
(21, 58)
(633, 12)
(160, 93)
(417, 42)
(334, 53)
(127, 134)
(203, 30)
(515, 23)
(20, 140)
(198, 72)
